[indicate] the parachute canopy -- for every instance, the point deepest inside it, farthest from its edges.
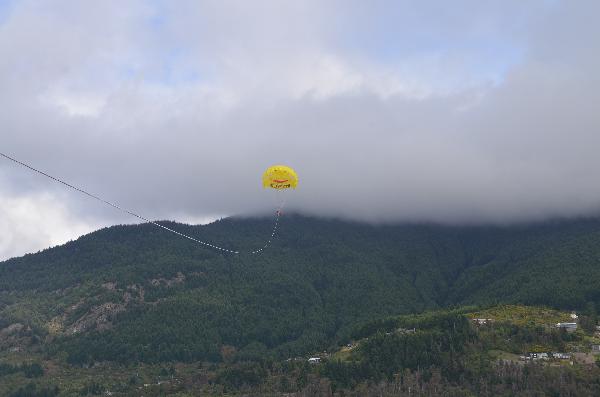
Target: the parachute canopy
(280, 177)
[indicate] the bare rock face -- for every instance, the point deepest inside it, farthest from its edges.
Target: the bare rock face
(11, 330)
(127, 297)
(99, 317)
(55, 325)
(111, 285)
(178, 279)
(133, 293)
(14, 337)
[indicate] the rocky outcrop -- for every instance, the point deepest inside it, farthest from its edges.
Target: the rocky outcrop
(15, 336)
(99, 318)
(11, 330)
(178, 279)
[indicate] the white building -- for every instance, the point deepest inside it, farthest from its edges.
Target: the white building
(482, 321)
(538, 356)
(570, 327)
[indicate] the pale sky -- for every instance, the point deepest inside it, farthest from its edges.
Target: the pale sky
(452, 112)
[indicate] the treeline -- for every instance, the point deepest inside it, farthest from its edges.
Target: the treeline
(501, 380)
(433, 342)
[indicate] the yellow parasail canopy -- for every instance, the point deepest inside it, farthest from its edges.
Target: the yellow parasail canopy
(280, 177)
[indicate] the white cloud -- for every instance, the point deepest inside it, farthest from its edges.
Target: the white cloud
(389, 110)
(30, 223)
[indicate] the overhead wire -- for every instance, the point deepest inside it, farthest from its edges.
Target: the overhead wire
(122, 209)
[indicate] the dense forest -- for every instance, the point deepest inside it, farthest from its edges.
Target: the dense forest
(131, 295)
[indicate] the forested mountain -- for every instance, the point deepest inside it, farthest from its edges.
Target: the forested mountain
(136, 294)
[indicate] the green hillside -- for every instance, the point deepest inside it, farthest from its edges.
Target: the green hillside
(516, 351)
(135, 294)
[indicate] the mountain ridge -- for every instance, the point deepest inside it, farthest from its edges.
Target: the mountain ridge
(319, 280)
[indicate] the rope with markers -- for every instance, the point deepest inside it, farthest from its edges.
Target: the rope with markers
(122, 209)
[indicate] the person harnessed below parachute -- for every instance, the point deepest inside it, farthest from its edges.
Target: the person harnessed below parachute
(280, 177)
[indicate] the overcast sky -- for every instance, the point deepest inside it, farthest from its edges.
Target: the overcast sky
(453, 112)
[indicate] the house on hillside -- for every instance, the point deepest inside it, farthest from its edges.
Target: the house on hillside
(561, 356)
(595, 348)
(481, 321)
(570, 327)
(537, 356)
(314, 360)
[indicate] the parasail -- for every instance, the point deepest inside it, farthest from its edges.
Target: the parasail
(280, 177)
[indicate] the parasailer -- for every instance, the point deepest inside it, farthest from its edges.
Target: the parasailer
(280, 178)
